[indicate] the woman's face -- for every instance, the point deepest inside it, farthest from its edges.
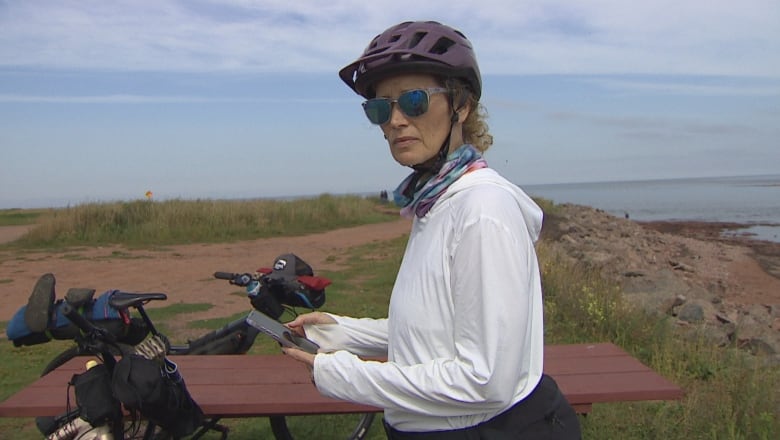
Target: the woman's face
(413, 140)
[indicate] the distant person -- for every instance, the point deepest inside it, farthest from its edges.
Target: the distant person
(464, 335)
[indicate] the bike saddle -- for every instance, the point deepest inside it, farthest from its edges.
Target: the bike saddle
(122, 300)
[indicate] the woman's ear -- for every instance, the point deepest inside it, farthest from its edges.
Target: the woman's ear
(460, 99)
(464, 112)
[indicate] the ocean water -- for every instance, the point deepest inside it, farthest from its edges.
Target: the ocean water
(751, 200)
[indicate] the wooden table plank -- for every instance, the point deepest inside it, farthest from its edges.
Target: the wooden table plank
(263, 385)
(581, 351)
(617, 387)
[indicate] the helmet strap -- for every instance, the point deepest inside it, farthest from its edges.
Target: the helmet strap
(434, 164)
(424, 171)
(431, 167)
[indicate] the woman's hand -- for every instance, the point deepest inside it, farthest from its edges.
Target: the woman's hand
(296, 325)
(300, 355)
(313, 318)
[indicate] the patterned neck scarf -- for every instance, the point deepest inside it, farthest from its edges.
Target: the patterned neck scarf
(417, 198)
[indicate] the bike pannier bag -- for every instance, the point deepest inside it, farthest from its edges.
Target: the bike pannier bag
(94, 397)
(158, 394)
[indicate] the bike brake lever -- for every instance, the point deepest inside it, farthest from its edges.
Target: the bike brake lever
(241, 280)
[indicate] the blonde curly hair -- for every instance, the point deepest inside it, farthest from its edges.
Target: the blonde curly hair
(475, 127)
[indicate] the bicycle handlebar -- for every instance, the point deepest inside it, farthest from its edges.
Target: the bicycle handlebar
(224, 275)
(238, 279)
(75, 317)
(84, 325)
(270, 292)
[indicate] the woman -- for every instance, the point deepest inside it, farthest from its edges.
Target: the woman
(463, 337)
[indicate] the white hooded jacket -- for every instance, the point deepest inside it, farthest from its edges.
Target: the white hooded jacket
(464, 334)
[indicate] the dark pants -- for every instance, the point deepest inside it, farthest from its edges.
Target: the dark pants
(544, 414)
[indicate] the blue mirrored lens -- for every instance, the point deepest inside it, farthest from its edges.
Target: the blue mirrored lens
(377, 110)
(413, 103)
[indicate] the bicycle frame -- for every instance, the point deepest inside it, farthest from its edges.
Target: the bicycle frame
(236, 337)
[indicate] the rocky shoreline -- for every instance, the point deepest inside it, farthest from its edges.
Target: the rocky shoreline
(726, 284)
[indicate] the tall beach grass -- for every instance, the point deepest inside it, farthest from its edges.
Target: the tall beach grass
(149, 223)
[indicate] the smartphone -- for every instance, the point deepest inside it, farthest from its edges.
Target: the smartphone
(279, 332)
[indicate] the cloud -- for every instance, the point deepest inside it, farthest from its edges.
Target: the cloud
(150, 99)
(107, 99)
(716, 37)
(710, 87)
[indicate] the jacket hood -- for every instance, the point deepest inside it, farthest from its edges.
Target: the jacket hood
(532, 213)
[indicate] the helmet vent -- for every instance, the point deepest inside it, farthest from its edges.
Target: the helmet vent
(416, 38)
(442, 46)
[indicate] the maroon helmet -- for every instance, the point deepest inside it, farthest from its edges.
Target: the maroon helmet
(414, 47)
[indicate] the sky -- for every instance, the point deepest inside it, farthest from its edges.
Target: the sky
(193, 99)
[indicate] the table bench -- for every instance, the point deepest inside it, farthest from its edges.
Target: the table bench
(270, 385)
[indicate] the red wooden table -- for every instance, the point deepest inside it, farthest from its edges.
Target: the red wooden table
(269, 385)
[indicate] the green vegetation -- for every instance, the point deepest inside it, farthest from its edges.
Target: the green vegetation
(729, 394)
(16, 217)
(150, 223)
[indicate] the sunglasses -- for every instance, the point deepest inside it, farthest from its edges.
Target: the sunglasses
(412, 103)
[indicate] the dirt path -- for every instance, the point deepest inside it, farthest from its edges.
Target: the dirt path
(183, 272)
(11, 233)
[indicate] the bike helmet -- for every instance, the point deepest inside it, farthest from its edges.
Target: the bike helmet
(414, 47)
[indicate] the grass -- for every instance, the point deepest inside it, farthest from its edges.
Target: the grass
(18, 217)
(729, 394)
(150, 223)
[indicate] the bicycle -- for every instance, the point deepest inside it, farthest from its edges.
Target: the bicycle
(289, 284)
(99, 413)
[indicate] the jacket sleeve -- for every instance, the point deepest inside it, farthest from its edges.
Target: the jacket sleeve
(361, 336)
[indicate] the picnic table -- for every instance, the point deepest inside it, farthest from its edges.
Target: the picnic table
(273, 385)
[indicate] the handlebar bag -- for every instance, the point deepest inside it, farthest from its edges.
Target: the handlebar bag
(58, 327)
(18, 332)
(291, 281)
(291, 265)
(98, 311)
